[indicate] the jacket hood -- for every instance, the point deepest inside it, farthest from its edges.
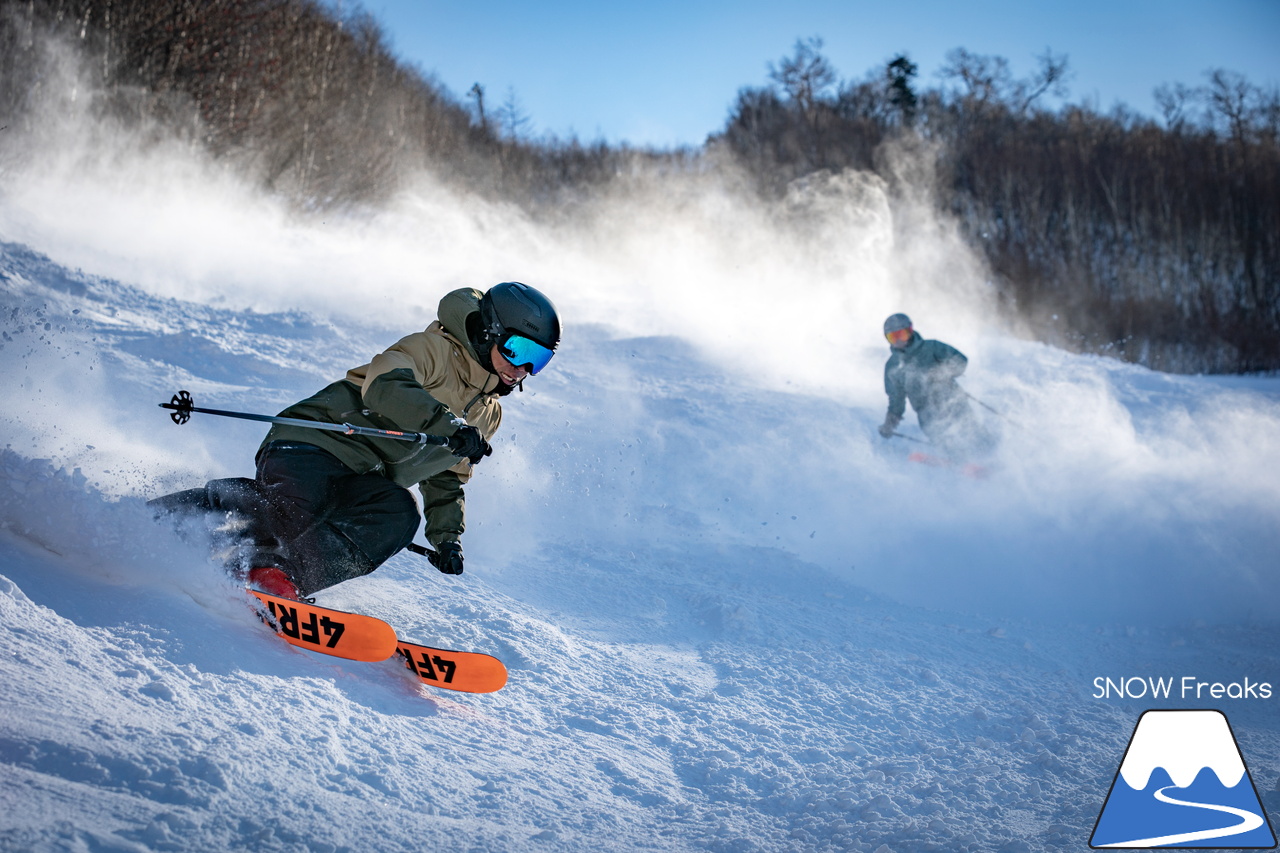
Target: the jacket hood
(453, 311)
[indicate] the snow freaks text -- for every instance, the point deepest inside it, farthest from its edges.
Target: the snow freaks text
(1185, 687)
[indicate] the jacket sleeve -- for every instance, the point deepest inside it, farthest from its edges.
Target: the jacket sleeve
(393, 387)
(443, 507)
(951, 363)
(897, 391)
(396, 395)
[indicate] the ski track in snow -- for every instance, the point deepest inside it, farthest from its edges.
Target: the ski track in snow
(727, 629)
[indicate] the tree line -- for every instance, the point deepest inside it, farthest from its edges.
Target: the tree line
(1157, 242)
(311, 103)
(1153, 240)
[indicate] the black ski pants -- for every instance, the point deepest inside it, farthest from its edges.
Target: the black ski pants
(309, 514)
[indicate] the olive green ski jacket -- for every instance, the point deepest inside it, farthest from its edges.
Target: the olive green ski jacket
(430, 381)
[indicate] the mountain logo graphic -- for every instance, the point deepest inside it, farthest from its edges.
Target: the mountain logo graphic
(1183, 783)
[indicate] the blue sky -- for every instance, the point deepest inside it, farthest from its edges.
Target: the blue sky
(666, 72)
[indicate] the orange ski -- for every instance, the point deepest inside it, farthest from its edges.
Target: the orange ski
(469, 672)
(332, 632)
(970, 469)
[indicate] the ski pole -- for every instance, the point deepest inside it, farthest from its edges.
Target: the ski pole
(182, 406)
(983, 405)
(1000, 415)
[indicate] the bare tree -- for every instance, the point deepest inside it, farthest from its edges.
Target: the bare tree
(986, 79)
(804, 76)
(512, 118)
(1231, 98)
(1173, 100)
(1051, 76)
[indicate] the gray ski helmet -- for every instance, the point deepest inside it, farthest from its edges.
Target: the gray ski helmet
(516, 307)
(896, 322)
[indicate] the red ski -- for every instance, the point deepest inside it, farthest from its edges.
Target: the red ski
(969, 469)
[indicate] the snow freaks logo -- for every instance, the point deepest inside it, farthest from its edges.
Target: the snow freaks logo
(1183, 783)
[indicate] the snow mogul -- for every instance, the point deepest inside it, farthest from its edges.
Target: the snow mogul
(924, 372)
(326, 506)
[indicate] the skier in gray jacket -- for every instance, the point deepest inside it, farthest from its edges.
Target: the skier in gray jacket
(924, 373)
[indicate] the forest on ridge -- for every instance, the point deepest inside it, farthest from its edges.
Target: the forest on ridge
(1156, 241)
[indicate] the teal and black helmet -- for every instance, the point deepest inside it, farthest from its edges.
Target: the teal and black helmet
(522, 322)
(896, 322)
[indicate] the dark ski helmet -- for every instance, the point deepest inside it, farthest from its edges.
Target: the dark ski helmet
(522, 322)
(896, 322)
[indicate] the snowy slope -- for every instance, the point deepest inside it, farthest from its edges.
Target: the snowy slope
(709, 650)
(735, 618)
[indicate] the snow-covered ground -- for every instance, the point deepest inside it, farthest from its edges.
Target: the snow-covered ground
(735, 618)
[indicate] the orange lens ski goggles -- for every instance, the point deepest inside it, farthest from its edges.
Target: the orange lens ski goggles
(899, 336)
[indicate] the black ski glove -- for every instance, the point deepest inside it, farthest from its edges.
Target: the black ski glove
(468, 442)
(890, 424)
(447, 557)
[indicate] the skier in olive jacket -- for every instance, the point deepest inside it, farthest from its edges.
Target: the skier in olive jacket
(924, 372)
(326, 506)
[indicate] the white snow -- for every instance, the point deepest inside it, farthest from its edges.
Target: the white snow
(735, 618)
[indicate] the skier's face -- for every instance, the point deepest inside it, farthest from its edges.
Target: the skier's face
(507, 372)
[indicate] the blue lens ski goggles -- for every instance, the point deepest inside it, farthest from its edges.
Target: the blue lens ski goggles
(520, 351)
